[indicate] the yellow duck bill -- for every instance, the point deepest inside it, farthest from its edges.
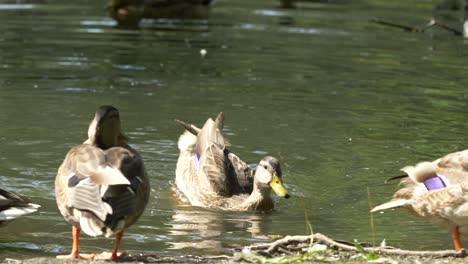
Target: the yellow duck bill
(278, 187)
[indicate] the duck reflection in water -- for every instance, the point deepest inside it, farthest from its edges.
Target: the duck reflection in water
(195, 227)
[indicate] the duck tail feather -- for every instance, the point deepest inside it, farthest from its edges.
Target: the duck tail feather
(219, 121)
(90, 224)
(189, 127)
(109, 176)
(396, 178)
(391, 204)
(15, 212)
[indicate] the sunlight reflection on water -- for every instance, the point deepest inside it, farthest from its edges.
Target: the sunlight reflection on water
(16, 6)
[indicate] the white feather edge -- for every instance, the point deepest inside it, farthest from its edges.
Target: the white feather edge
(109, 176)
(106, 208)
(186, 141)
(15, 212)
(391, 204)
(87, 225)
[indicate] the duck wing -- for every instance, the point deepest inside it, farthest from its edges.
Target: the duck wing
(127, 201)
(210, 148)
(82, 180)
(13, 205)
(240, 175)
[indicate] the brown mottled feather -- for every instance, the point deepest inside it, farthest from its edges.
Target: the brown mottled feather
(240, 175)
(219, 121)
(454, 166)
(210, 150)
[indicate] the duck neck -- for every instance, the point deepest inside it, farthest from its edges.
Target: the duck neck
(259, 199)
(107, 141)
(103, 141)
(106, 133)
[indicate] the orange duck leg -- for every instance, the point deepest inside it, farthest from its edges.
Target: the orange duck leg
(75, 253)
(456, 238)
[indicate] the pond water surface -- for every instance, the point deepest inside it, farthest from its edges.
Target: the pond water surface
(342, 102)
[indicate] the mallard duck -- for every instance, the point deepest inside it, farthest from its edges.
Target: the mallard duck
(102, 187)
(438, 191)
(13, 205)
(128, 13)
(209, 175)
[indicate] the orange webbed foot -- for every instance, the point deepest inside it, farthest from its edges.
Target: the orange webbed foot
(111, 255)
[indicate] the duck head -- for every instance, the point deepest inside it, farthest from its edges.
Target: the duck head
(104, 131)
(268, 176)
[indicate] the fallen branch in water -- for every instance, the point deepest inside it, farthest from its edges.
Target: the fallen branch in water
(392, 24)
(272, 248)
(446, 27)
(431, 23)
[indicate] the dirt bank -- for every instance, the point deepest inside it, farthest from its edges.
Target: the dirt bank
(297, 249)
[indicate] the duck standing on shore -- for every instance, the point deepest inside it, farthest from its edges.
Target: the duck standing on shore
(209, 175)
(102, 187)
(437, 191)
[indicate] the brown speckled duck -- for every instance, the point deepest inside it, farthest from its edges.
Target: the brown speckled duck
(437, 191)
(102, 187)
(13, 205)
(209, 175)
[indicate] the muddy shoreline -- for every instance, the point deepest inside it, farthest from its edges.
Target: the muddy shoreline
(297, 249)
(231, 259)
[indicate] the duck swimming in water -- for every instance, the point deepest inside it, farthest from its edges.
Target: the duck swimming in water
(209, 175)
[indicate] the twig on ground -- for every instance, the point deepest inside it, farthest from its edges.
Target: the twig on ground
(273, 247)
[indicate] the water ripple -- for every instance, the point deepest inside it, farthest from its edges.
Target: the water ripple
(16, 6)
